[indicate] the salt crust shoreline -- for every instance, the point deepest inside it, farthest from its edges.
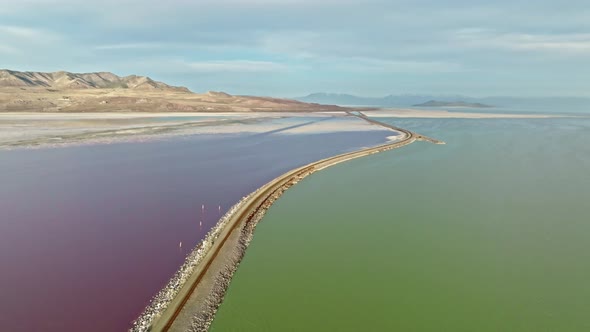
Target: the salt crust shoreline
(385, 112)
(38, 131)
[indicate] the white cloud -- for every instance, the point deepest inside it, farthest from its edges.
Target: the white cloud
(571, 43)
(6, 49)
(244, 66)
(369, 65)
(130, 46)
(312, 40)
(301, 44)
(27, 35)
(167, 46)
(28, 3)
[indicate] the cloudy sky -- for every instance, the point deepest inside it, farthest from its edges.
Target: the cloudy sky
(295, 47)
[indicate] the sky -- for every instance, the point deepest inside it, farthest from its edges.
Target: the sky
(291, 48)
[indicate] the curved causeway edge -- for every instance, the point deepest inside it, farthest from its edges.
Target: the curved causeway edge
(191, 298)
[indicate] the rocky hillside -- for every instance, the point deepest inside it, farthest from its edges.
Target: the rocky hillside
(62, 80)
(107, 92)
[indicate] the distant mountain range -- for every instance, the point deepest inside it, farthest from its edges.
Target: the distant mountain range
(552, 104)
(437, 103)
(352, 100)
(104, 91)
(65, 80)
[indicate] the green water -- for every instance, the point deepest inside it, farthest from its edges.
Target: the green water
(490, 232)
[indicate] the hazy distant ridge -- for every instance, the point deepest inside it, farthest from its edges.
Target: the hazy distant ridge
(347, 99)
(66, 80)
(559, 104)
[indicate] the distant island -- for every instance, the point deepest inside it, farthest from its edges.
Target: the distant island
(343, 99)
(437, 103)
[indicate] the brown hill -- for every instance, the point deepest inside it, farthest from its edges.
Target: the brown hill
(65, 80)
(106, 92)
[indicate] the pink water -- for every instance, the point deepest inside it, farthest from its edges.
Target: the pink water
(89, 234)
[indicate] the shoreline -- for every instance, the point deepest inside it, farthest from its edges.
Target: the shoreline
(444, 114)
(209, 278)
(124, 115)
(372, 111)
(46, 131)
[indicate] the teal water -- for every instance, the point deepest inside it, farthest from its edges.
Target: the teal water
(490, 232)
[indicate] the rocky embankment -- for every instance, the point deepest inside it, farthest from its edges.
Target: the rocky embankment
(202, 319)
(162, 300)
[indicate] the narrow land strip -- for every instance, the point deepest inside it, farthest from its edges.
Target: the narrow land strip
(196, 302)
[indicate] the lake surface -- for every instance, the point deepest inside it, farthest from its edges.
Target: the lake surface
(89, 234)
(487, 233)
